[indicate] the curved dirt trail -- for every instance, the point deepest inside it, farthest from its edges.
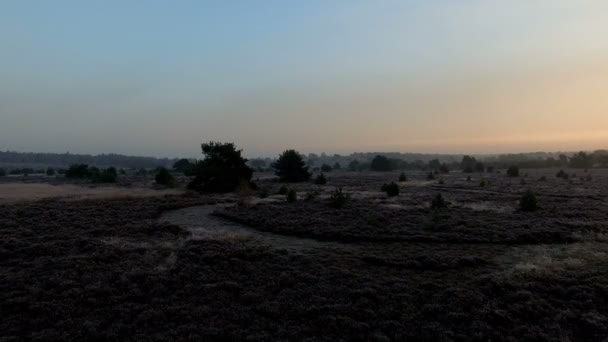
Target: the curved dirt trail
(200, 222)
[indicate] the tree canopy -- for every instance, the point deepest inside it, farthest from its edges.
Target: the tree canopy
(381, 163)
(222, 169)
(290, 167)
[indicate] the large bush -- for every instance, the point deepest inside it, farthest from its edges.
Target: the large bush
(381, 163)
(164, 177)
(222, 169)
(290, 167)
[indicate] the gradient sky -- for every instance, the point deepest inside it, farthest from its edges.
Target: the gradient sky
(160, 77)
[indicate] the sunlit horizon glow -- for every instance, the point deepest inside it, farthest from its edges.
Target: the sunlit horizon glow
(336, 77)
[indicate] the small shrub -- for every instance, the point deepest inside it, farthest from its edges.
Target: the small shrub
(283, 190)
(441, 181)
(311, 195)
(291, 196)
(50, 171)
(522, 182)
(468, 178)
(402, 177)
(439, 202)
(263, 193)
(430, 176)
(589, 178)
(490, 169)
(339, 199)
(528, 201)
(2, 173)
(164, 177)
(321, 179)
(444, 169)
(391, 189)
(483, 183)
(513, 171)
(562, 174)
(542, 179)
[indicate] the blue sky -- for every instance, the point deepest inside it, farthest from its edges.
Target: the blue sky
(159, 77)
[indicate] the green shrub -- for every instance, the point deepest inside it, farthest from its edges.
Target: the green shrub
(391, 189)
(321, 180)
(339, 199)
(291, 196)
(283, 190)
(513, 171)
(439, 202)
(164, 177)
(528, 201)
(402, 177)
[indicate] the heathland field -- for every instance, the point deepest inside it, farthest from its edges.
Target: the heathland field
(340, 261)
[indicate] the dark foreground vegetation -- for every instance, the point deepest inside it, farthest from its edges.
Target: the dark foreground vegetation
(477, 265)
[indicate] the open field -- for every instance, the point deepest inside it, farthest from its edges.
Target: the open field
(198, 267)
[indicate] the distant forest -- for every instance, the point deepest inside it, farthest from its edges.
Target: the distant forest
(66, 159)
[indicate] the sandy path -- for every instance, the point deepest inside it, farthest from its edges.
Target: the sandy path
(202, 225)
(18, 192)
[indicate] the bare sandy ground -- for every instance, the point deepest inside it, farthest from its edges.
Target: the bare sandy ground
(18, 192)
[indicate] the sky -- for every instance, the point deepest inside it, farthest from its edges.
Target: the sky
(160, 77)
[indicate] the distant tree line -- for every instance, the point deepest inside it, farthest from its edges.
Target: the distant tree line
(101, 160)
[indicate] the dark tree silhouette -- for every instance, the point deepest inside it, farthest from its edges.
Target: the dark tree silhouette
(381, 163)
(164, 177)
(77, 171)
(581, 160)
(468, 164)
(326, 168)
(184, 166)
(222, 170)
(354, 165)
(290, 167)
